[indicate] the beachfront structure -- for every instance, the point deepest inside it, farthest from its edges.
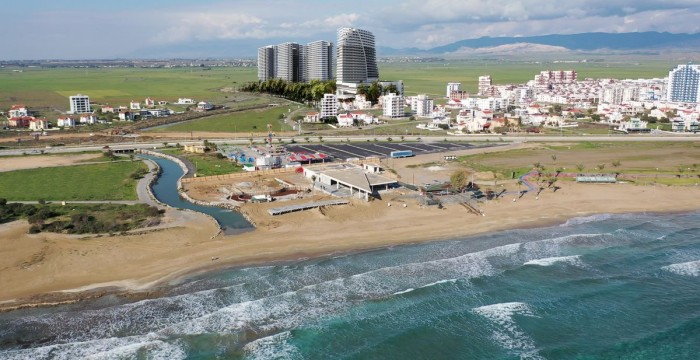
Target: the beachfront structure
(18, 111)
(329, 106)
(349, 180)
(319, 60)
(684, 84)
(484, 84)
(393, 105)
(266, 62)
(452, 87)
(422, 105)
(65, 121)
(80, 104)
(356, 58)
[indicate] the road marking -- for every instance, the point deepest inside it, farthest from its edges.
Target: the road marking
(368, 150)
(347, 152)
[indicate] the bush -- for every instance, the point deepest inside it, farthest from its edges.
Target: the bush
(34, 229)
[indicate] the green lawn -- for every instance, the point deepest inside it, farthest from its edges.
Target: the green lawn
(245, 121)
(108, 181)
(206, 164)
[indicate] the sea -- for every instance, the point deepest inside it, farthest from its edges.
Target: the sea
(600, 287)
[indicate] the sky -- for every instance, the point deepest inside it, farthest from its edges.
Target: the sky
(98, 29)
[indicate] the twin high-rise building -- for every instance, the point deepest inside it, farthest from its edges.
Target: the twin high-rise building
(684, 84)
(295, 62)
(356, 60)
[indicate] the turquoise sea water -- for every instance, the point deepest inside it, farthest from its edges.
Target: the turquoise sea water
(601, 287)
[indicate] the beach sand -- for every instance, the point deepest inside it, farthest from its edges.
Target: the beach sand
(34, 265)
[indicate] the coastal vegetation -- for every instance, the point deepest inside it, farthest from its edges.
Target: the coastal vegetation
(81, 218)
(112, 180)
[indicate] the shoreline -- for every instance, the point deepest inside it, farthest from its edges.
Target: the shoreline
(142, 285)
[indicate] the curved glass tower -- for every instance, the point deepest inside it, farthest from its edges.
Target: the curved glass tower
(356, 57)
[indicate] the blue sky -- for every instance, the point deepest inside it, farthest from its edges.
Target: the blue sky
(79, 29)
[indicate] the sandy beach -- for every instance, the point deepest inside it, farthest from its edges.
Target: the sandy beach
(55, 263)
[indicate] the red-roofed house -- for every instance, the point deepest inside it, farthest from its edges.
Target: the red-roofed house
(312, 117)
(38, 124)
(18, 111)
(107, 109)
(19, 121)
(149, 102)
(65, 121)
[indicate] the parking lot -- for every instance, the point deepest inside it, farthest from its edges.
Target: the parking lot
(380, 149)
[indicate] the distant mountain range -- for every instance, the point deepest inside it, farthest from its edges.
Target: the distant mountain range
(595, 41)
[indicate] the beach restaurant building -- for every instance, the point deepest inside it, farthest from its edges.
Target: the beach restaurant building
(346, 180)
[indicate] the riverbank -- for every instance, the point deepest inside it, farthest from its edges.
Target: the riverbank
(51, 263)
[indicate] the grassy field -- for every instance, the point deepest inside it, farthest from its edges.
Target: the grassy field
(108, 181)
(244, 121)
(206, 164)
(48, 89)
(432, 78)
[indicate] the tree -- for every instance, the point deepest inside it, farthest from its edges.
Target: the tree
(580, 167)
(616, 163)
(458, 180)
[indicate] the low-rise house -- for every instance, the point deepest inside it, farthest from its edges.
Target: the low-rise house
(135, 105)
(345, 120)
(126, 115)
(38, 124)
(19, 121)
(633, 125)
(65, 121)
(107, 109)
(364, 118)
(18, 111)
(162, 103)
(88, 119)
(361, 103)
(158, 112)
(196, 148)
(185, 101)
(204, 106)
(148, 102)
(312, 117)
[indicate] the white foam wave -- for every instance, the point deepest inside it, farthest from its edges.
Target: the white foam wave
(110, 348)
(272, 347)
(691, 268)
(574, 260)
(404, 291)
(507, 333)
(586, 219)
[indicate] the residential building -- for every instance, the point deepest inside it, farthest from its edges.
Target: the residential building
(19, 121)
(398, 84)
(107, 109)
(312, 117)
(393, 105)
(684, 84)
(452, 87)
(126, 115)
(329, 106)
(38, 124)
(361, 102)
(185, 101)
(422, 105)
(266, 62)
(18, 111)
(319, 60)
(88, 119)
(80, 104)
(149, 102)
(485, 83)
(345, 120)
(290, 63)
(135, 105)
(356, 60)
(65, 121)
(204, 106)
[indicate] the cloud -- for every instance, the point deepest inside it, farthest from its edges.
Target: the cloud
(211, 26)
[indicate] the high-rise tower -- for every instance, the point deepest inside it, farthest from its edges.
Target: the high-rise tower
(356, 57)
(319, 60)
(683, 84)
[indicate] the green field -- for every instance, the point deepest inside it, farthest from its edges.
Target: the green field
(47, 89)
(108, 181)
(432, 78)
(206, 164)
(245, 121)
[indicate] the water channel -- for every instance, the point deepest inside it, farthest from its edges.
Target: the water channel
(165, 190)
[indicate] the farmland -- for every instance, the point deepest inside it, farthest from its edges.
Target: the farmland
(244, 121)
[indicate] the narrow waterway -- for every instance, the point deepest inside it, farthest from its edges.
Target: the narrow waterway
(165, 190)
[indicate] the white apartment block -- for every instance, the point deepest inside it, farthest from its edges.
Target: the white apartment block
(329, 106)
(393, 105)
(421, 105)
(319, 60)
(290, 63)
(266, 62)
(356, 56)
(484, 84)
(80, 104)
(361, 103)
(684, 84)
(452, 87)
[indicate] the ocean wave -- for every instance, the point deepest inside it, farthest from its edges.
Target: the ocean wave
(586, 219)
(691, 268)
(574, 260)
(506, 332)
(275, 346)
